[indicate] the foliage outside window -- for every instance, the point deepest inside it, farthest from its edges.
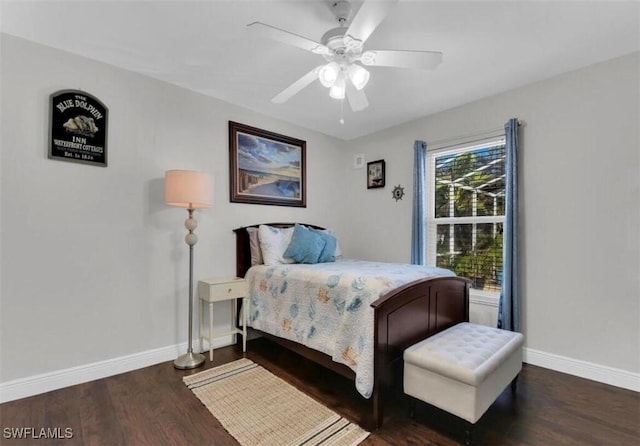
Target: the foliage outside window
(467, 210)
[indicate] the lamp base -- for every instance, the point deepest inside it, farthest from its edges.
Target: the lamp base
(189, 361)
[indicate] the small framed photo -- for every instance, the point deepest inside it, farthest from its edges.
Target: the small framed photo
(375, 174)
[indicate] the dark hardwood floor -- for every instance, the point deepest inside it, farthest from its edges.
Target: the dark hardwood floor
(152, 406)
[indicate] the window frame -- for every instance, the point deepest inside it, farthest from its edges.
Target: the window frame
(431, 220)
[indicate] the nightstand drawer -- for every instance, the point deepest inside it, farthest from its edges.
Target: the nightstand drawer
(212, 291)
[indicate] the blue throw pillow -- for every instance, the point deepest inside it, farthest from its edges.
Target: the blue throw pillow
(305, 247)
(328, 253)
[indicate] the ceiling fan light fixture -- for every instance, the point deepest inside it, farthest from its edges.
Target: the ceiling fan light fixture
(337, 90)
(358, 75)
(329, 74)
(344, 71)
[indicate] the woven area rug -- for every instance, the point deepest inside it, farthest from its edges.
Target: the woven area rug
(258, 408)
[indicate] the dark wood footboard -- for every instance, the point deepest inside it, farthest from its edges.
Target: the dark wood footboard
(402, 317)
(408, 315)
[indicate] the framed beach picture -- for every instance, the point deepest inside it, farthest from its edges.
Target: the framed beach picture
(375, 174)
(266, 168)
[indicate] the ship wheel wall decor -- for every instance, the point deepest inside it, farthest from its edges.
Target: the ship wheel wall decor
(398, 192)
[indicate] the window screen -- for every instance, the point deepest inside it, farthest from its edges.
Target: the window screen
(467, 215)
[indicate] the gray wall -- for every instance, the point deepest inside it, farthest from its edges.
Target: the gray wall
(580, 204)
(94, 265)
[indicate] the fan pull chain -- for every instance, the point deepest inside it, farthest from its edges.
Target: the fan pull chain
(342, 111)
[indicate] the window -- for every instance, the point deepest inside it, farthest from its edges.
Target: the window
(466, 212)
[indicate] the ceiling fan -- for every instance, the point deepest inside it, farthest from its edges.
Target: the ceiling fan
(344, 72)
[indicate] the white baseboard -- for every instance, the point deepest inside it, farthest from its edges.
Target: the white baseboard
(583, 369)
(46, 382)
(575, 367)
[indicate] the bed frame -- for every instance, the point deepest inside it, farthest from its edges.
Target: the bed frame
(402, 317)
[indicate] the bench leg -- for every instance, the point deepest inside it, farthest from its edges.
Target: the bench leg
(412, 408)
(514, 385)
(468, 434)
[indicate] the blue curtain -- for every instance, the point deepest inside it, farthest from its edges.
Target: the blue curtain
(509, 307)
(418, 230)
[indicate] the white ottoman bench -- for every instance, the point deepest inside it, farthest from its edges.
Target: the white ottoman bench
(463, 369)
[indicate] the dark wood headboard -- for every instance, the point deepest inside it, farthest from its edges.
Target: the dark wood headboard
(243, 250)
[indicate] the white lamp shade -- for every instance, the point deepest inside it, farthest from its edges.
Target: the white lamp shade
(358, 76)
(188, 189)
(338, 88)
(329, 74)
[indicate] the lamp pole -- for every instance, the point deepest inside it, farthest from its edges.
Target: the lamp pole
(190, 360)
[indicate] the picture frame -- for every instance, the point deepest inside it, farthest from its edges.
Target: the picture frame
(266, 167)
(375, 174)
(78, 127)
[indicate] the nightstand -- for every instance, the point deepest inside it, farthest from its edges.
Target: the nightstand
(220, 289)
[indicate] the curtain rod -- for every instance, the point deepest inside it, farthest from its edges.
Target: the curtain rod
(467, 139)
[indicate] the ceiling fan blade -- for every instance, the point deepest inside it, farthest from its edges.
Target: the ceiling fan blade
(357, 98)
(298, 85)
(271, 32)
(404, 59)
(369, 16)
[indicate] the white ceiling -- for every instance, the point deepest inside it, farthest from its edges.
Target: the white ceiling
(488, 47)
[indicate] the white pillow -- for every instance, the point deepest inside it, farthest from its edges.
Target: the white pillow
(273, 243)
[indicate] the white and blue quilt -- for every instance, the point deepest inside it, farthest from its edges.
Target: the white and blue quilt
(326, 306)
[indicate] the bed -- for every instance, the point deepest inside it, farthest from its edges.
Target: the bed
(408, 309)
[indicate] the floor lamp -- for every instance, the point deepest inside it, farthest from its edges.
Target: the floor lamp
(190, 190)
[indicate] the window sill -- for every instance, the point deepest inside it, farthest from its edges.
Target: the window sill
(481, 297)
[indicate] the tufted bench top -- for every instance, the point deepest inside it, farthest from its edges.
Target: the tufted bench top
(465, 352)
